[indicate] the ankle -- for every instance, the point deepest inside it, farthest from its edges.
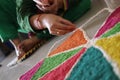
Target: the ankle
(15, 43)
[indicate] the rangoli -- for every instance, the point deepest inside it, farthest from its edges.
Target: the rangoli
(79, 58)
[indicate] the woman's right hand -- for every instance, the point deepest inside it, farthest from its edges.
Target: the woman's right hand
(56, 24)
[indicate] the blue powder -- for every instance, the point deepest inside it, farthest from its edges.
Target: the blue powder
(92, 66)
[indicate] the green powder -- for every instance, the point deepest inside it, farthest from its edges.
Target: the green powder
(52, 62)
(113, 31)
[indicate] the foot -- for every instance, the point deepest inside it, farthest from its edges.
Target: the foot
(26, 47)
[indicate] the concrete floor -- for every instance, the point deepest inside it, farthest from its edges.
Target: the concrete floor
(13, 73)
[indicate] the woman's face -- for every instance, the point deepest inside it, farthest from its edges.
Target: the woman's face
(48, 6)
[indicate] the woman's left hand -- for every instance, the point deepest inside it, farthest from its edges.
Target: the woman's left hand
(48, 6)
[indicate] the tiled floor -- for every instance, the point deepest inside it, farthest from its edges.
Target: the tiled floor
(13, 73)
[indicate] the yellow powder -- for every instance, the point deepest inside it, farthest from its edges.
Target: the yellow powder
(111, 46)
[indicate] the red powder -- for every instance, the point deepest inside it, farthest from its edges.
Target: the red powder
(28, 75)
(110, 22)
(76, 39)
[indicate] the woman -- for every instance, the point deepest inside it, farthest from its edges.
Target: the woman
(9, 27)
(44, 19)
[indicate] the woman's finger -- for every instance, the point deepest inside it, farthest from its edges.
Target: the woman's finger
(59, 32)
(41, 2)
(62, 26)
(64, 21)
(39, 7)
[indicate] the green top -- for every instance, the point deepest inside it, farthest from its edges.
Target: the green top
(26, 8)
(8, 20)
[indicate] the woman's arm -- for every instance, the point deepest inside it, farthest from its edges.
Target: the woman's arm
(55, 24)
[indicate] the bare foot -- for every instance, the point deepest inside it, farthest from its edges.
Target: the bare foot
(25, 46)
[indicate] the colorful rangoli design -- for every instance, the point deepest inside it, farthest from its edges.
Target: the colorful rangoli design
(79, 58)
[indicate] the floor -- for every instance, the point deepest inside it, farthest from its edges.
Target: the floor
(2, 56)
(91, 24)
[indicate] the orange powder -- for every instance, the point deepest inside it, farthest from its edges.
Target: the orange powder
(76, 39)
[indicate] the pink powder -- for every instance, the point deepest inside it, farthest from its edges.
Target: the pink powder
(28, 75)
(110, 22)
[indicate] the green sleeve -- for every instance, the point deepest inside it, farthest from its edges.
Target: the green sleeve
(8, 20)
(23, 13)
(25, 25)
(25, 9)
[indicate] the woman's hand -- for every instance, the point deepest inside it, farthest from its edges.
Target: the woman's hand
(56, 24)
(49, 6)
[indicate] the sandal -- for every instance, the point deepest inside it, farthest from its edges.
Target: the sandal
(24, 56)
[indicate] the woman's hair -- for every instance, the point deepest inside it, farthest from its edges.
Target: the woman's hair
(28, 7)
